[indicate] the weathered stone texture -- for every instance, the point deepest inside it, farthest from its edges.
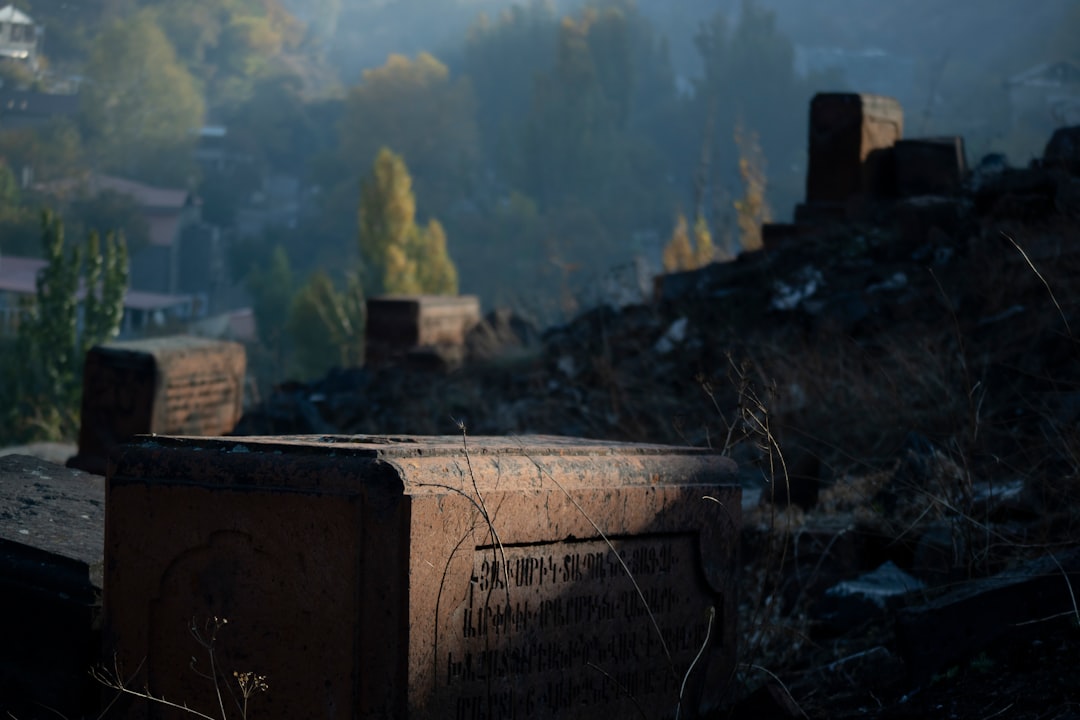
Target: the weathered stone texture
(848, 131)
(398, 324)
(51, 528)
(177, 385)
(930, 166)
(407, 578)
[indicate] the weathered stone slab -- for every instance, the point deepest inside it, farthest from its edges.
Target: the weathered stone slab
(848, 131)
(398, 324)
(930, 166)
(179, 385)
(939, 633)
(381, 577)
(51, 534)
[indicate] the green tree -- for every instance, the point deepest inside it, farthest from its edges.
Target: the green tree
(139, 104)
(399, 256)
(679, 253)
(415, 107)
(54, 335)
(327, 325)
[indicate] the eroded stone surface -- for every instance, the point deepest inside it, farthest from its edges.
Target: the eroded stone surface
(408, 577)
(178, 385)
(51, 528)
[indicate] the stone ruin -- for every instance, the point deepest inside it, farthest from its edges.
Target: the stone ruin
(180, 385)
(420, 329)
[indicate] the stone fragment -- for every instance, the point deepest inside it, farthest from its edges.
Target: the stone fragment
(950, 628)
(930, 166)
(178, 385)
(428, 577)
(848, 133)
(851, 603)
(51, 527)
(1063, 150)
(400, 324)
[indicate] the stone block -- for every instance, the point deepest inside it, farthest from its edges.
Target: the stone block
(51, 528)
(400, 324)
(848, 134)
(409, 577)
(950, 628)
(178, 385)
(1063, 150)
(930, 166)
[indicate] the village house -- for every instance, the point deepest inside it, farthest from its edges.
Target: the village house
(143, 311)
(20, 38)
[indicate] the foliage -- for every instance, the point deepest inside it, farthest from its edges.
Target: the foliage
(416, 108)
(753, 209)
(400, 257)
(270, 285)
(49, 151)
(53, 335)
(327, 325)
(139, 104)
(681, 253)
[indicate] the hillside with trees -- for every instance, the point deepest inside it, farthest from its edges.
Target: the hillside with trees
(551, 141)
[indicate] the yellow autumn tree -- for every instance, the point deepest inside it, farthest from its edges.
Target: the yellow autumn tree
(679, 253)
(704, 250)
(401, 258)
(752, 210)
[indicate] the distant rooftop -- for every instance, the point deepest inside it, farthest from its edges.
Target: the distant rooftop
(11, 14)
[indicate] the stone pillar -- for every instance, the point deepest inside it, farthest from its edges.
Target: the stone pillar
(426, 577)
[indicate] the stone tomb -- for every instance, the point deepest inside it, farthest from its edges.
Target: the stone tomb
(849, 134)
(437, 577)
(401, 324)
(51, 525)
(179, 385)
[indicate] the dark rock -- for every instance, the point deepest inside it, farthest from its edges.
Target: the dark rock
(1063, 150)
(769, 702)
(950, 628)
(852, 603)
(51, 545)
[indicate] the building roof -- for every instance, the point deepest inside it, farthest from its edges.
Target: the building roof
(11, 14)
(19, 275)
(146, 196)
(1053, 74)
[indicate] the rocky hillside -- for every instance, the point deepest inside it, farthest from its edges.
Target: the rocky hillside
(902, 393)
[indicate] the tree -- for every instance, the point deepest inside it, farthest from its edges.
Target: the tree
(139, 104)
(752, 210)
(679, 253)
(400, 257)
(326, 325)
(415, 107)
(54, 335)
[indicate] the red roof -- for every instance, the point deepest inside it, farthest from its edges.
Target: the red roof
(19, 275)
(147, 196)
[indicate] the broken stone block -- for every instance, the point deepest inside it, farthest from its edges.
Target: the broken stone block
(428, 577)
(400, 324)
(1063, 150)
(51, 527)
(180, 385)
(848, 133)
(851, 603)
(930, 166)
(953, 627)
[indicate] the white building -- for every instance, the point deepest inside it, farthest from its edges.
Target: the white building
(20, 38)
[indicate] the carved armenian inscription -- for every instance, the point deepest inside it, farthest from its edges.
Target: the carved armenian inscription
(559, 630)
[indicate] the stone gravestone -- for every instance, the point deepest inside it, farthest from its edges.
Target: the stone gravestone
(849, 136)
(51, 527)
(400, 325)
(427, 578)
(179, 385)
